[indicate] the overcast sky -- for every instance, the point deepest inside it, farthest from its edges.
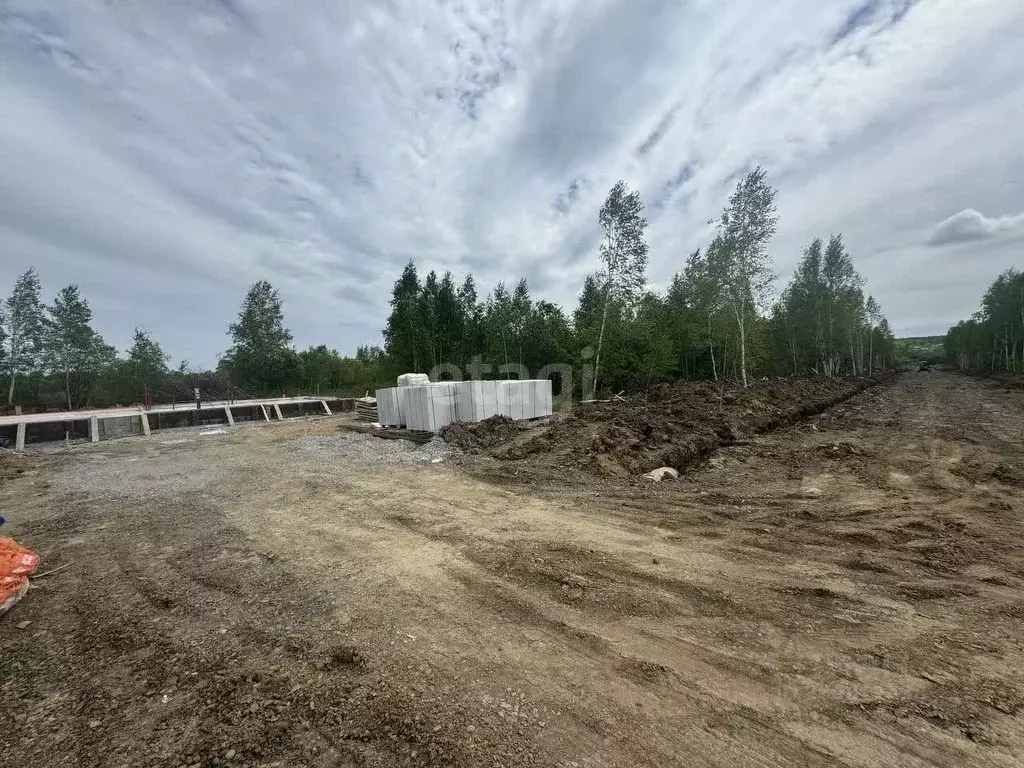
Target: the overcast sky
(165, 155)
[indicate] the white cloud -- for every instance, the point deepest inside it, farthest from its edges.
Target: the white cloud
(970, 226)
(198, 146)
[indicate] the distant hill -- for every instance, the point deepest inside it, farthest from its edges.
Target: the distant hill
(921, 348)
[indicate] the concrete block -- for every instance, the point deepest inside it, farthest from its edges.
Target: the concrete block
(19, 443)
(488, 405)
(145, 423)
(442, 404)
(389, 412)
(403, 406)
(465, 401)
(231, 418)
(529, 399)
(94, 428)
(417, 403)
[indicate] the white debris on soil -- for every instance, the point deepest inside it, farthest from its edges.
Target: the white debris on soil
(353, 446)
(662, 473)
(214, 432)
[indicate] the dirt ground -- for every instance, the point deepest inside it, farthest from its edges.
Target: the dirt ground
(843, 592)
(674, 425)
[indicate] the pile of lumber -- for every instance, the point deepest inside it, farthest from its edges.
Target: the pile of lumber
(366, 409)
(387, 433)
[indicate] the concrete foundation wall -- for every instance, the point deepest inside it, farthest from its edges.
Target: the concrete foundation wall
(107, 424)
(121, 426)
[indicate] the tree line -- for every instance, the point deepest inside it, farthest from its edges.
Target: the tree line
(52, 358)
(716, 320)
(993, 339)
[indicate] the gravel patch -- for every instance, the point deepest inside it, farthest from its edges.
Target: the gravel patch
(367, 449)
(183, 463)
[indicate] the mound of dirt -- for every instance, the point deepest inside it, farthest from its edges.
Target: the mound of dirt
(479, 436)
(676, 425)
(1005, 378)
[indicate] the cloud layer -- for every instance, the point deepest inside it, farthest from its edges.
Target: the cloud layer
(167, 155)
(969, 226)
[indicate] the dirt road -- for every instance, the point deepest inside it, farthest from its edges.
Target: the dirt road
(844, 592)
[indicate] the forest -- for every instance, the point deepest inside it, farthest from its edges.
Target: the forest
(993, 339)
(717, 319)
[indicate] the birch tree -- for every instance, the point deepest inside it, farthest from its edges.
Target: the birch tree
(874, 316)
(623, 255)
(738, 256)
(993, 339)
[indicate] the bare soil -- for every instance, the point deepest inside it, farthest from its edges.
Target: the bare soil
(677, 425)
(480, 436)
(846, 591)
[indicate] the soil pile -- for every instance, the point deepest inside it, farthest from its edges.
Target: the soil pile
(676, 425)
(1007, 379)
(479, 436)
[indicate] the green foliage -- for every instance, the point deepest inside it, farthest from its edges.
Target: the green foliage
(326, 371)
(22, 328)
(714, 321)
(261, 360)
(931, 349)
(993, 339)
(738, 265)
(623, 255)
(72, 349)
(823, 323)
(403, 332)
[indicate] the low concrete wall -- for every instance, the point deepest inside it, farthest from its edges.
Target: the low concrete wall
(125, 422)
(52, 431)
(120, 426)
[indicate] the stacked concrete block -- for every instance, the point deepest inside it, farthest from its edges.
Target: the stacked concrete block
(543, 397)
(430, 407)
(389, 412)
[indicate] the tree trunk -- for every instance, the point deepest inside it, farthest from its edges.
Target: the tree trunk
(14, 366)
(743, 352)
(742, 325)
(600, 337)
(711, 347)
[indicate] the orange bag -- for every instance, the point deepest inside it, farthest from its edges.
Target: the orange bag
(12, 589)
(16, 560)
(16, 564)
